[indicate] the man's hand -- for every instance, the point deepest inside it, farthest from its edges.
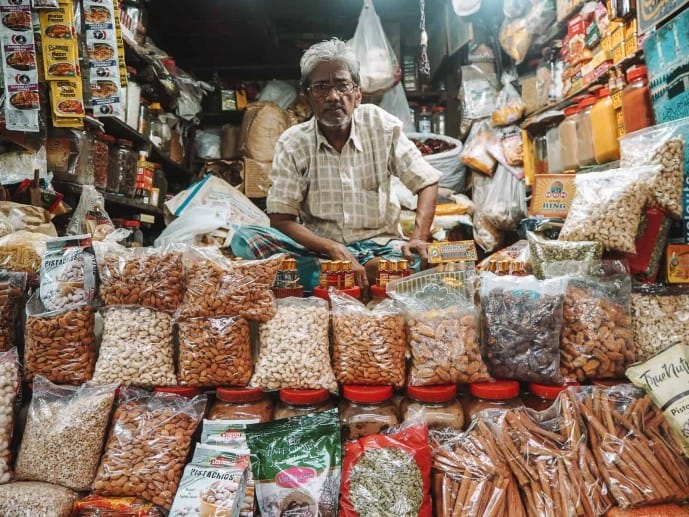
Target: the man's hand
(420, 247)
(338, 251)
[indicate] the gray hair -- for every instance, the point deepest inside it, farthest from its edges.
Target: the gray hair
(326, 52)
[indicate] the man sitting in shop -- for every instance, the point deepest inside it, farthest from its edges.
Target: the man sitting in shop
(330, 193)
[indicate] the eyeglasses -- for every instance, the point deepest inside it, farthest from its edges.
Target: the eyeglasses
(323, 89)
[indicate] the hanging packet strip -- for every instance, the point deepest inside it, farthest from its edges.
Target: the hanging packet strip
(101, 41)
(120, 46)
(20, 73)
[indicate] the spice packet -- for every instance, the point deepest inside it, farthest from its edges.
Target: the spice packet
(296, 463)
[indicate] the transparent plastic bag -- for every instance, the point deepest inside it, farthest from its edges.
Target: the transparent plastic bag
(510, 106)
(596, 340)
(522, 319)
(280, 92)
(479, 92)
(64, 434)
(545, 251)
(487, 236)
(475, 153)
(22, 251)
(217, 286)
(505, 203)
(35, 498)
(512, 147)
(607, 207)
(379, 68)
(395, 102)
(136, 347)
(10, 380)
(12, 290)
(90, 215)
(101, 506)
(214, 352)
(59, 345)
(515, 38)
(369, 346)
(294, 348)
(148, 444)
(150, 277)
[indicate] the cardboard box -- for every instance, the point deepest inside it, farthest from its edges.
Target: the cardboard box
(631, 45)
(618, 53)
(677, 263)
(616, 35)
(552, 195)
(256, 178)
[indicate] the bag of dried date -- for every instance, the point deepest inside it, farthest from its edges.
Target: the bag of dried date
(368, 345)
(388, 474)
(522, 318)
(596, 340)
(9, 390)
(68, 272)
(442, 325)
(12, 290)
(296, 464)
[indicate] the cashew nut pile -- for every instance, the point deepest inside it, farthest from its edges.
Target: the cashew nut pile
(147, 449)
(60, 345)
(658, 321)
(294, 347)
(9, 384)
(64, 436)
(369, 349)
(444, 348)
(136, 348)
(214, 352)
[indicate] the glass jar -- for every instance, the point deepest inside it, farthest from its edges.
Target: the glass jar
(439, 405)
(366, 410)
(584, 131)
(136, 238)
(569, 153)
(438, 120)
(540, 147)
(144, 122)
(98, 158)
(637, 110)
(492, 395)
(425, 124)
(241, 404)
(553, 142)
(606, 147)
(122, 168)
(160, 130)
(541, 396)
(302, 402)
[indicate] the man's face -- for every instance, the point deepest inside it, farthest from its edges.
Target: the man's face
(333, 95)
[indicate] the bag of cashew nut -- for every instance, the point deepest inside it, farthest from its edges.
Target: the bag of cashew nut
(149, 277)
(369, 346)
(442, 326)
(12, 290)
(294, 347)
(596, 339)
(137, 347)
(663, 145)
(59, 344)
(68, 272)
(218, 286)
(9, 391)
(147, 446)
(607, 207)
(64, 433)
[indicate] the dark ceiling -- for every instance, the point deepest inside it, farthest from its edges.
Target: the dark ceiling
(262, 39)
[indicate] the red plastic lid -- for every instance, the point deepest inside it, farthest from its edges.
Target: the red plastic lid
(437, 109)
(571, 110)
(132, 223)
(125, 142)
(366, 394)
(424, 108)
(496, 390)
(587, 101)
(378, 292)
(109, 138)
(321, 292)
(636, 72)
(442, 393)
(549, 392)
(238, 395)
(303, 397)
(604, 92)
(185, 391)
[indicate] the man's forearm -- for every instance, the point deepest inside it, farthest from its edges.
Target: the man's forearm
(425, 212)
(302, 235)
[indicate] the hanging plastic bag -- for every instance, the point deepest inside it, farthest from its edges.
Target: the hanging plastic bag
(379, 68)
(512, 146)
(475, 153)
(395, 102)
(510, 106)
(90, 215)
(280, 92)
(479, 92)
(487, 236)
(505, 204)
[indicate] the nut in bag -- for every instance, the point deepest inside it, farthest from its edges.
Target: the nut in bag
(12, 289)
(510, 106)
(68, 272)
(545, 251)
(9, 390)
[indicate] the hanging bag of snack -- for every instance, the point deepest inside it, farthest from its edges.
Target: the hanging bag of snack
(510, 106)
(505, 204)
(475, 153)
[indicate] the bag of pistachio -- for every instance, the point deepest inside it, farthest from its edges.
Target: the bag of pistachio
(665, 377)
(544, 251)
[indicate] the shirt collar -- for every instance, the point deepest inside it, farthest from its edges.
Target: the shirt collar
(353, 136)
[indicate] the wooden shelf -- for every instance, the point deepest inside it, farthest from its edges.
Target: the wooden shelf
(110, 198)
(428, 94)
(222, 117)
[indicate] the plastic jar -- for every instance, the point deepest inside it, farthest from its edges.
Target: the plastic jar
(122, 168)
(302, 402)
(440, 406)
(606, 147)
(553, 141)
(185, 391)
(425, 124)
(366, 410)
(541, 396)
(241, 404)
(438, 120)
(584, 131)
(569, 152)
(97, 163)
(540, 148)
(492, 395)
(637, 110)
(136, 238)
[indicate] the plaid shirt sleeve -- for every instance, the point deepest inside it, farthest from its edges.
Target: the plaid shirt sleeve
(288, 188)
(407, 163)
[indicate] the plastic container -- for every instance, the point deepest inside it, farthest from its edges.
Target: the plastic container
(439, 404)
(136, 238)
(637, 110)
(321, 292)
(438, 120)
(242, 404)
(185, 391)
(554, 148)
(122, 168)
(542, 396)
(569, 152)
(587, 155)
(540, 148)
(606, 146)
(366, 410)
(425, 123)
(491, 395)
(302, 402)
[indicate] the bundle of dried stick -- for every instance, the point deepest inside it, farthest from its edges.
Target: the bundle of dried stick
(471, 477)
(636, 453)
(548, 456)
